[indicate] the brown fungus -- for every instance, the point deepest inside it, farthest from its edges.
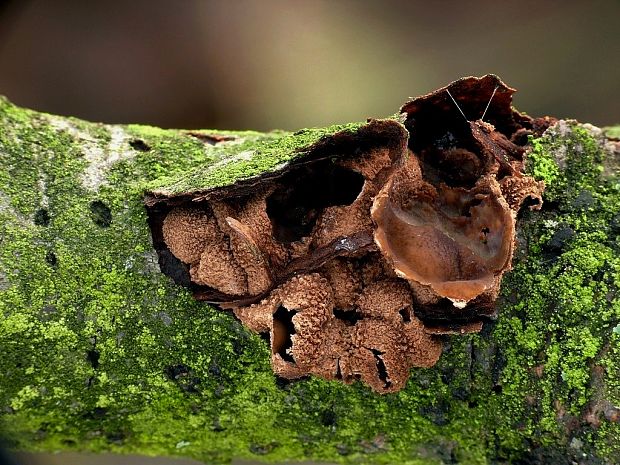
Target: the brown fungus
(187, 231)
(453, 240)
(357, 253)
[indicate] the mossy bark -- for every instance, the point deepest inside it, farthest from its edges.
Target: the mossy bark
(100, 351)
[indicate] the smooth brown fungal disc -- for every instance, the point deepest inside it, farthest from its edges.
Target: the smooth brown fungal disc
(358, 256)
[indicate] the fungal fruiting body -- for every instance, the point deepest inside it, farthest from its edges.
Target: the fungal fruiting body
(355, 257)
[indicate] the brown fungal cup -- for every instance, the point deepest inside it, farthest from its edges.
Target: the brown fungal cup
(355, 258)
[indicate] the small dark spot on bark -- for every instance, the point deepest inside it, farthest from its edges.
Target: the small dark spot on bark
(100, 214)
(328, 417)
(42, 217)
(139, 145)
(51, 259)
(173, 372)
(405, 313)
(93, 358)
(184, 377)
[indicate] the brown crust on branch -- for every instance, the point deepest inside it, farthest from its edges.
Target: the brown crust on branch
(356, 256)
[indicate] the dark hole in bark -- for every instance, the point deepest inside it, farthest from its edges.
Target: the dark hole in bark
(101, 214)
(305, 192)
(283, 329)
(139, 145)
(350, 317)
(93, 358)
(51, 259)
(405, 313)
(42, 217)
(328, 417)
(174, 372)
(383, 374)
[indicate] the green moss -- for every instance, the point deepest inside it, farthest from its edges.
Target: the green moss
(100, 351)
(562, 297)
(612, 132)
(253, 155)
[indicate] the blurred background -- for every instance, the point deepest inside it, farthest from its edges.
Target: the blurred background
(263, 64)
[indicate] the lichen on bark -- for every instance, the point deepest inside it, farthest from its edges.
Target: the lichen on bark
(102, 352)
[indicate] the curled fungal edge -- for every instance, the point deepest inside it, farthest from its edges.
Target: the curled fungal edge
(357, 255)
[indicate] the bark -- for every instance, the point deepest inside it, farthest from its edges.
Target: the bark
(100, 351)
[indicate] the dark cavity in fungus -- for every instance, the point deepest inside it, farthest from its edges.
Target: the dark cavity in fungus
(359, 253)
(303, 193)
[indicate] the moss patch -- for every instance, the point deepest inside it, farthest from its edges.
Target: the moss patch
(252, 155)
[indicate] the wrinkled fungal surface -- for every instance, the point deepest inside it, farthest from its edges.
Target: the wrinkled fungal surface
(358, 254)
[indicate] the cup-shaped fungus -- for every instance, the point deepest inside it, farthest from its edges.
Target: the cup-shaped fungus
(454, 240)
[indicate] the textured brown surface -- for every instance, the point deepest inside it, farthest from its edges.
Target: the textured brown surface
(293, 254)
